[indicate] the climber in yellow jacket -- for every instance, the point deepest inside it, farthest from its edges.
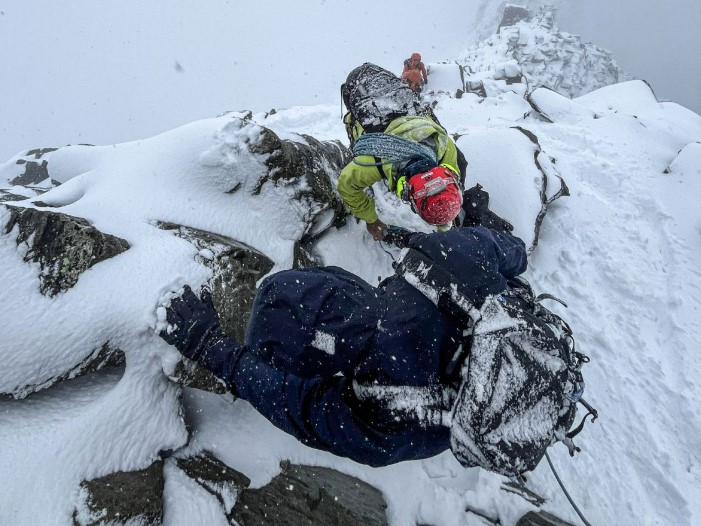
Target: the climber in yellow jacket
(435, 194)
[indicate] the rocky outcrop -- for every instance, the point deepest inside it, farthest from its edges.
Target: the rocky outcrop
(236, 268)
(529, 46)
(29, 175)
(541, 518)
(307, 495)
(105, 356)
(316, 163)
(135, 497)
(216, 478)
(512, 15)
(64, 246)
(299, 495)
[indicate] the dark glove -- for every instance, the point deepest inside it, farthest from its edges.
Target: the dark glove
(475, 203)
(194, 323)
(398, 236)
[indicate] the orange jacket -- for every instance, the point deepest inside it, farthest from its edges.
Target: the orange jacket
(410, 64)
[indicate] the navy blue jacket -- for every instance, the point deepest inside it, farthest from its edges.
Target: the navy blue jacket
(315, 335)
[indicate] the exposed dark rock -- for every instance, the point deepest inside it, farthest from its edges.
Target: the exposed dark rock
(541, 518)
(303, 256)
(64, 246)
(9, 196)
(546, 166)
(236, 266)
(317, 162)
(189, 373)
(512, 15)
(38, 153)
(122, 498)
(102, 357)
(215, 477)
(33, 172)
(306, 495)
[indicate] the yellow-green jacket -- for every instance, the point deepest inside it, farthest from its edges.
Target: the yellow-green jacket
(354, 179)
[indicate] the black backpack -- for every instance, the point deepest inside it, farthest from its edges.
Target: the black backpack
(375, 97)
(518, 372)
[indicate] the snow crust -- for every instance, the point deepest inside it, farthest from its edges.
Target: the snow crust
(623, 251)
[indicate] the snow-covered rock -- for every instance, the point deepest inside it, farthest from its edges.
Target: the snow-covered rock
(529, 51)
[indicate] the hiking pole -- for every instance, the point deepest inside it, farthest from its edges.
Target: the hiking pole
(562, 486)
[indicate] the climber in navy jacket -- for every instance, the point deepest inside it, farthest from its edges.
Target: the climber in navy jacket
(391, 345)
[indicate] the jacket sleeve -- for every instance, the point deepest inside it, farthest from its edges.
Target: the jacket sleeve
(352, 182)
(512, 258)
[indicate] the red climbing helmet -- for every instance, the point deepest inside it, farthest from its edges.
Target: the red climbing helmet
(434, 195)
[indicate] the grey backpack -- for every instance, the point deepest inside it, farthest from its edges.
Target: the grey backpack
(519, 373)
(376, 96)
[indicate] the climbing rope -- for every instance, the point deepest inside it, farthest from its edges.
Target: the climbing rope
(393, 148)
(562, 486)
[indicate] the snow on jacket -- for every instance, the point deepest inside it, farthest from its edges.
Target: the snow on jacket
(317, 337)
(354, 179)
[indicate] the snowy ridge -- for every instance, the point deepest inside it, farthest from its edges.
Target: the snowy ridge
(622, 250)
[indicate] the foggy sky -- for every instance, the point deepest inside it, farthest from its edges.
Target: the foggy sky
(106, 72)
(656, 41)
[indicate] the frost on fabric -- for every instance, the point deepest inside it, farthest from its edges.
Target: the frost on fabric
(324, 342)
(163, 304)
(426, 404)
(524, 426)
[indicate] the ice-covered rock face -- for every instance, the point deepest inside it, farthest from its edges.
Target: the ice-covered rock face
(530, 48)
(527, 52)
(99, 214)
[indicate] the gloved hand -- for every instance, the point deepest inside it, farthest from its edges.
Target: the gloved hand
(475, 203)
(377, 230)
(193, 322)
(398, 236)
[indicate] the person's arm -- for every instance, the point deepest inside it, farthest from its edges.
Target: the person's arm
(317, 411)
(512, 258)
(352, 182)
(423, 72)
